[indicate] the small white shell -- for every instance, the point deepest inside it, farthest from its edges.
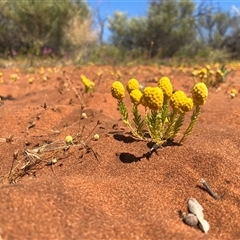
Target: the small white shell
(195, 208)
(204, 226)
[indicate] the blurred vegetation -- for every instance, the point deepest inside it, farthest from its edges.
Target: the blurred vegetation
(182, 30)
(43, 27)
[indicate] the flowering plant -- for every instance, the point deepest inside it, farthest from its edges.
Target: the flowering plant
(164, 110)
(88, 84)
(209, 76)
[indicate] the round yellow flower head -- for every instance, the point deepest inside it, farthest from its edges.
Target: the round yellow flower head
(68, 139)
(118, 90)
(136, 96)
(234, 91)
(199, 93)
(14, 77)
(31, 80)
(153, 97)
(203, 73)
(166, 86)
(132, 84)
(177, 101)
(188, 105)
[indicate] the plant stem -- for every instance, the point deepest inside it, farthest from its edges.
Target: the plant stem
(137, 118)
(194, 118)
(124, 113)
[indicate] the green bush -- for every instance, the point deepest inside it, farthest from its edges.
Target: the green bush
(29, 26)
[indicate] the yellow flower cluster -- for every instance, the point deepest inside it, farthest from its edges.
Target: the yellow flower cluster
(136, 96)
(159, 124)
(89, 85)
(153, 97)
(199, 93)
(118, 90)
(180, 102)
(166, 86)
(209, 77)
(132, 85)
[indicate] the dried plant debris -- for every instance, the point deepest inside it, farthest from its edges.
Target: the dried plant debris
(209, 190)
(196, 216)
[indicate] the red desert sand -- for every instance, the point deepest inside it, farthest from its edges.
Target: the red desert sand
(111, 188)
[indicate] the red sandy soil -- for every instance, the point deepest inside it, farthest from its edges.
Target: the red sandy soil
(110, 189)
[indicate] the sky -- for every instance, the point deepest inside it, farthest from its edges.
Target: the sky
(139, 8)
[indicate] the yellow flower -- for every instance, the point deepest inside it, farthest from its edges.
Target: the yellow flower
(50, 70)
(166, 86)
(199, 93)
(178, 100)
(208, 67)
(203, 73)
(118, 90)
(153, 97)
(136, 96)
(1, 78)
(132, 84)
(41, 71)
(87, 83)
(188, 105)
(234, 91)
(31, 80)
(14, 77)
(195, 72)
(219, 73)
(68, 139)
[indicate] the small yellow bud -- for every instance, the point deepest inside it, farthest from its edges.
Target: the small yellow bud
(68, 139)
(84, 115)
(14, 77)
(31, 80)
(96, 137)
(234, 91)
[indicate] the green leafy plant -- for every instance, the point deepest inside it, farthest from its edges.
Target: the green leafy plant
(164, 113)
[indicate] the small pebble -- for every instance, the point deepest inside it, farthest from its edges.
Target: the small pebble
(191, 219)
